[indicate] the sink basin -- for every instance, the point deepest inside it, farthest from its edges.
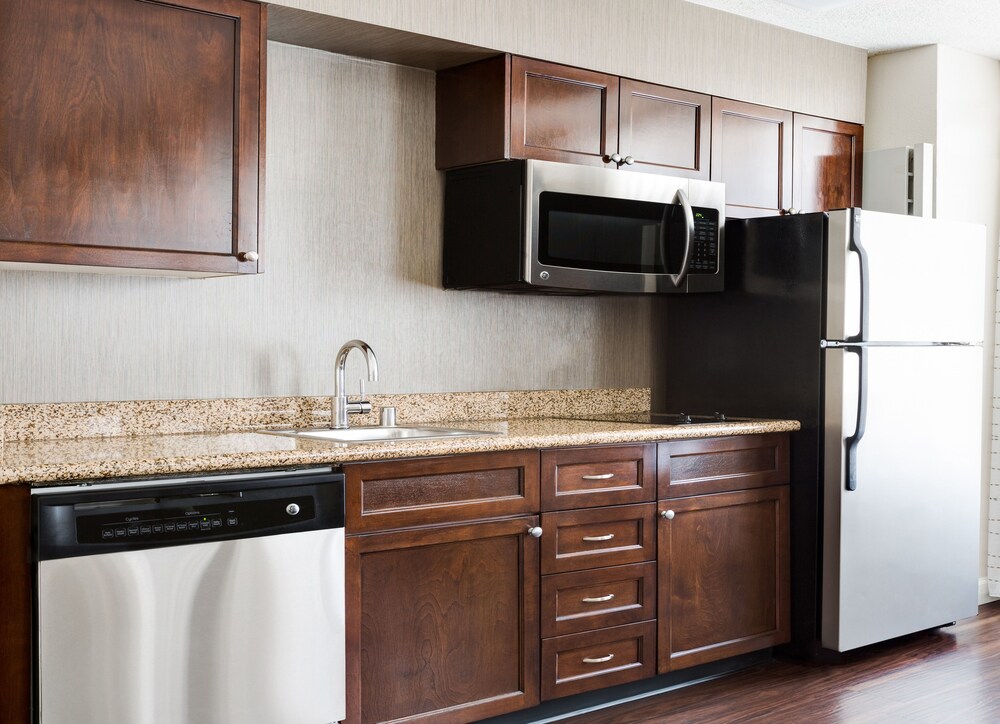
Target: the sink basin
(363, 434)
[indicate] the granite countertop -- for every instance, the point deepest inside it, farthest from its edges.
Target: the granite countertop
(51, 461)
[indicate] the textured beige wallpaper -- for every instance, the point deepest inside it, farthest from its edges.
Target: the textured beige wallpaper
(663, 41)
(353, 243)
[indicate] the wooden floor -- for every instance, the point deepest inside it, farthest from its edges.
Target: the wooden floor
(948, 675)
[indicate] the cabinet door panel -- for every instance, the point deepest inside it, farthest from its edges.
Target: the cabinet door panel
(827, 173)
(665, 129)
(443, 622)
(752, 155)
(132, 136)
(723, 576)
(559, 113)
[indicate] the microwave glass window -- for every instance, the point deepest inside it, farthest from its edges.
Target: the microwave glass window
(588, 232)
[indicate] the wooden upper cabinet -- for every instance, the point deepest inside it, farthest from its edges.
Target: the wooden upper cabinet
(827, 169)
(560, 113)
(132, 134)
(665, 130)
(512, 107)
(752, 155)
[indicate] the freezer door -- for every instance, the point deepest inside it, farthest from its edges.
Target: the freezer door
(248, 631)
(901, 552)
(923, 278)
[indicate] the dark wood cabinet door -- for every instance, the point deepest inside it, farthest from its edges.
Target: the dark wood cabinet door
(16, 635)
(827, 168)
(752, 155)
(666, 130)
(560, 113)
(722, 575)
(442, 623)
(132, 133)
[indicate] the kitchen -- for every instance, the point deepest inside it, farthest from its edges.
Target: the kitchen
(355, 181)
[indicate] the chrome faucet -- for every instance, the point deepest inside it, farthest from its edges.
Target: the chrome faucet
(340, 408)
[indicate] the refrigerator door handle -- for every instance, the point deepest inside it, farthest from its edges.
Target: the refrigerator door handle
(678, 279)
(851, 443)
(855, 245)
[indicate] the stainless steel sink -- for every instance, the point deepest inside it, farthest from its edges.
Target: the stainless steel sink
(362, 434)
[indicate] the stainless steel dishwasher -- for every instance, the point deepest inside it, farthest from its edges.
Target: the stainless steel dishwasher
(210, 600)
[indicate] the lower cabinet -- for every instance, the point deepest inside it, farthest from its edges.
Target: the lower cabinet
(443, 622)
(723, 575)
(463, 604)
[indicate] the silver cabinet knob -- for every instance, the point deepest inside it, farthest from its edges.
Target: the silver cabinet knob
(614, 158)
(248, 256)
(535, 532)
(629, 160)
(667, 515)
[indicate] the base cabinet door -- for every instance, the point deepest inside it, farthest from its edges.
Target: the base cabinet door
(722, 575)
(443, 622)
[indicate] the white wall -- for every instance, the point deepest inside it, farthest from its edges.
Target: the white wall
(949, 98)
(352, 249)
(901, 98)
(671, 42)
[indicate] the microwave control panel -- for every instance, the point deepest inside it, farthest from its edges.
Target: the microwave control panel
(705, 246)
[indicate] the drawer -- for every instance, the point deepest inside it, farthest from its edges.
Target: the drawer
(595, 659)
(721, 464)
(604, 597)
(588, 477)
(574, 540)
(424, 491)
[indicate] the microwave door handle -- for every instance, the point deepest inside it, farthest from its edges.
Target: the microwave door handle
(678, 279)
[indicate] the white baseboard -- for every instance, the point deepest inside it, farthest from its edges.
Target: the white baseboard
(984, 593)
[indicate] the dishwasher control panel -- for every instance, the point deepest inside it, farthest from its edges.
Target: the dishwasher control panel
(98, 521)
(194, 520)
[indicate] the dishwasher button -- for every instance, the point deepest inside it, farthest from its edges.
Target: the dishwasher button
(107, 533)
(120, 532)
(133, 530)
(216, 522)
(232, 520)
(292, 509)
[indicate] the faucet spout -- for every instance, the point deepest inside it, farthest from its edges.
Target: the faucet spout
(340, 407)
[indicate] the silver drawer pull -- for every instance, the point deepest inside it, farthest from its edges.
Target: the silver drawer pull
(598, 599)
(603, 476)
(597, 659)
(598, 538)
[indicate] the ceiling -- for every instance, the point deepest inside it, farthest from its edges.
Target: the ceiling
(881, 26)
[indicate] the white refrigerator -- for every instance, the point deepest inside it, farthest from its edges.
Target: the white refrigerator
(902, 425)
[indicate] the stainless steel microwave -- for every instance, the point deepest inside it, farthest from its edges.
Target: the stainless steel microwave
(544, 227)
